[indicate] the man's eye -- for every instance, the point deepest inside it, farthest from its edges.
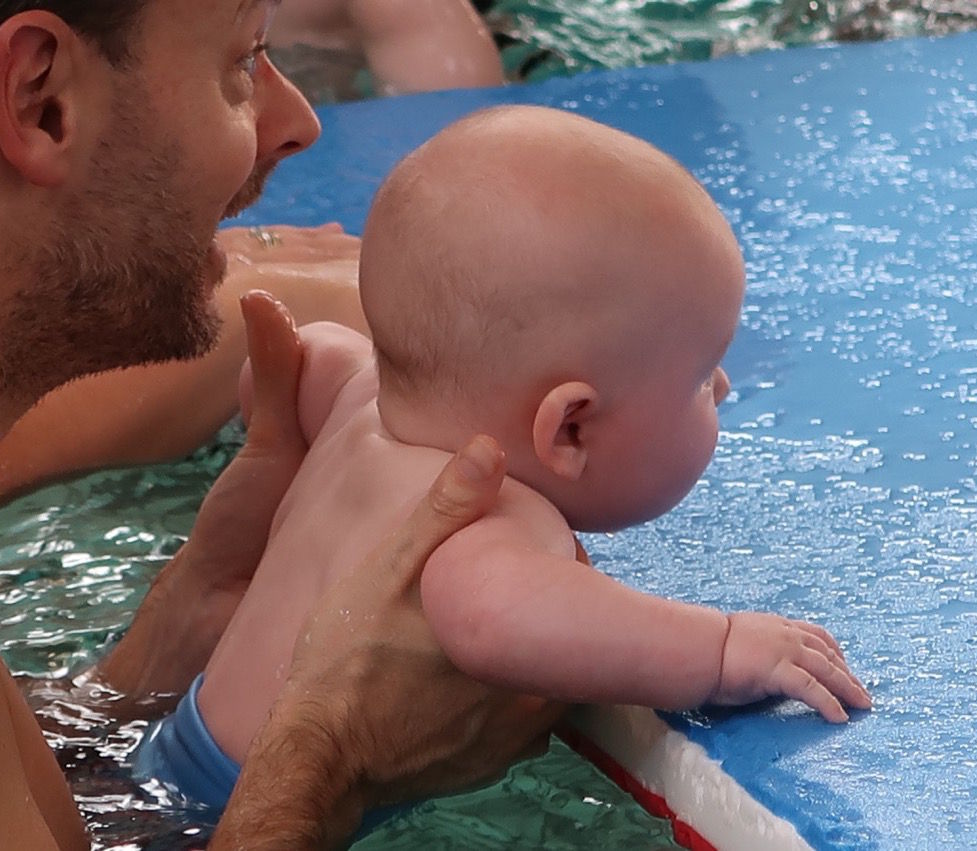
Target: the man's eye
(249, 64)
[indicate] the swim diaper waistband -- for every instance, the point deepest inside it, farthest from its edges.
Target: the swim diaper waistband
(180, 752)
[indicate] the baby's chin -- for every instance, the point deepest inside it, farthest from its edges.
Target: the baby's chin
(617, 517)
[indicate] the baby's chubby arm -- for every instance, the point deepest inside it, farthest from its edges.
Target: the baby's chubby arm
(508, 613)
(332, 355)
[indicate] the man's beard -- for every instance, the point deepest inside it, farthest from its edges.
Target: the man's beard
(124, 277)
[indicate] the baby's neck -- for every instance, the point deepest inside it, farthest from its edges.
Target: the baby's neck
(448, 426)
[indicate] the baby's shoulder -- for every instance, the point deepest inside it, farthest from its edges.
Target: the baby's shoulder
(526, 517)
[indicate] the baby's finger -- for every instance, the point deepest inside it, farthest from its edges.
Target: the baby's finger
(793, 681)
(821, 633)
(834, 674)
(851, 690)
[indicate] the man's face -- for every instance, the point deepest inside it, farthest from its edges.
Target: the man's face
(195, 124)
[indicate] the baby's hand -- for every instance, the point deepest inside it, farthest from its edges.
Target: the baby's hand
(767, 655)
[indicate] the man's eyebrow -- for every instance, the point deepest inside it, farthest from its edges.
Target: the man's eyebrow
(247, 5)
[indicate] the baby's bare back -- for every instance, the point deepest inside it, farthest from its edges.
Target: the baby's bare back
(355, 486)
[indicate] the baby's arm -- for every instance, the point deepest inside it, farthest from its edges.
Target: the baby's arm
(414, 46)
(542, 623)
(332, 356)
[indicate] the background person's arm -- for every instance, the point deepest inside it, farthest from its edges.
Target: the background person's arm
(425, 45)
(164, 411)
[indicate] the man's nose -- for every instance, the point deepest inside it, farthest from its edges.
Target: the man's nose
(286, 123)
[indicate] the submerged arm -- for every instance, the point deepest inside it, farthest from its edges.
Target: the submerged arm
(36, 807)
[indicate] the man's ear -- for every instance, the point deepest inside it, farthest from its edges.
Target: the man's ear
(37, 112)
(557, 428)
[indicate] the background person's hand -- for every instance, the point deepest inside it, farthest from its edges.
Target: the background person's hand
(768, 656)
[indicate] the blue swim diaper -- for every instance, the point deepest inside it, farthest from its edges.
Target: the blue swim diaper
(179, 752)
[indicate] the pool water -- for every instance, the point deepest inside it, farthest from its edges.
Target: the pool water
(76, 558)
(545, 38)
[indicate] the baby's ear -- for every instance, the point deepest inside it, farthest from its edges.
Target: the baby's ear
(557, 427)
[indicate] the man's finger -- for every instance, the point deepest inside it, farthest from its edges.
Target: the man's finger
(464, 491)
(276, 362)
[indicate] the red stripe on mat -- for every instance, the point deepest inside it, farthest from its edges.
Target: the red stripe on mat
(685, 834)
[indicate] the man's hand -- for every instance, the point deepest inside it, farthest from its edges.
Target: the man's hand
(373, 712)
(193, 598)
(271, 245)
(767, 656)
(231, 530)
(423, 727)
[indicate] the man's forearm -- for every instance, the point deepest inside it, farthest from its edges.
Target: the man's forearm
(299, 787)
(169, 642)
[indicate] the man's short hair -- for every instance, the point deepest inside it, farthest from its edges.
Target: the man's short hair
(106, 23)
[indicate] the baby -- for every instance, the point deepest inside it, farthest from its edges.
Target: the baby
(570, 290)
(408, 45)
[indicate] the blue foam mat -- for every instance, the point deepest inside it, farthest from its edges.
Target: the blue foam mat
(843, 489)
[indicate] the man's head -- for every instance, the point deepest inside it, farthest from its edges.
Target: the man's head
(124, 140)
(565, 287)
(107, 23)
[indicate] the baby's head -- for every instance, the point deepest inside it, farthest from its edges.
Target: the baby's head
(562, 286)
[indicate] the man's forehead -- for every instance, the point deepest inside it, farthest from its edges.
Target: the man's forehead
(214, 16)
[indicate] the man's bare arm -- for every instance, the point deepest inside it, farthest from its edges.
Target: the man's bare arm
(36, 807)
(189, 605)
(160, 412)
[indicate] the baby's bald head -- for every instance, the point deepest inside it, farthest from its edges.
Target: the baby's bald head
(523, 245)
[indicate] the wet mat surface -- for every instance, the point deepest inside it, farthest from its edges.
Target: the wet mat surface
(843, 488)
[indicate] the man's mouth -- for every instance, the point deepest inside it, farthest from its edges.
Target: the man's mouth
(250, 191)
